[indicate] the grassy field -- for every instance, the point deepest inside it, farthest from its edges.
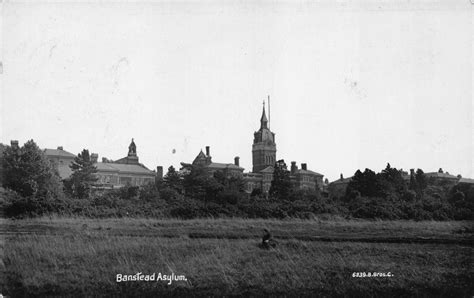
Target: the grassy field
(82, 257)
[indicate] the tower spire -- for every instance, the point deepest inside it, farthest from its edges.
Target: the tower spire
(263, 120)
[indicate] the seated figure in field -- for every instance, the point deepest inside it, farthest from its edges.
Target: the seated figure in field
(267, 239)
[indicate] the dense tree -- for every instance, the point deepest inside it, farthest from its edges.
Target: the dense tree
(421, 179)
(2, 149)
(230, 183)
(281, 183)
(199, 184)
(365, 184)
(83, 176)
(413, 184)
(173, 180)
(391, 181)
(418, 183)
(27, 171)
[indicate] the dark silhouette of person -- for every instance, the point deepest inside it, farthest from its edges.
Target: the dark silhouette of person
(267, 239)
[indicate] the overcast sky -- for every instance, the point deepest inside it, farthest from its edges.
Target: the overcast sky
(352, 86)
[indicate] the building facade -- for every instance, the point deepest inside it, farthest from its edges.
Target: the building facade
(337, 188)
(110, 174)
(61, 160)
(125, 171)
(205, 161)
(441, 178)
(263, 161)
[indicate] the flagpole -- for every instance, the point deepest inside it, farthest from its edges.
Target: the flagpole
(268, 111)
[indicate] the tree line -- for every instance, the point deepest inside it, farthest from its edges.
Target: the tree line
(31, 186)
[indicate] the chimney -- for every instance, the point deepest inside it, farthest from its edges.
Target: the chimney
(236, 161)
(60, 148)
(208, 151)
(342, 177)
(159, 172)
(94, 157)
(294, 167)
(303, 166)
(14, 144)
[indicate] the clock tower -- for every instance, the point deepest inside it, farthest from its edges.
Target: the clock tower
(264, 147)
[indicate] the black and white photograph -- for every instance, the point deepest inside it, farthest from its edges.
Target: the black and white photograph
(205, 148)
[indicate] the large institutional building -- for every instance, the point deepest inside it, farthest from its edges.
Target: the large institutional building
(205, 160)
(263, 161)
(129, 171)
(111, 174)
(264, 158)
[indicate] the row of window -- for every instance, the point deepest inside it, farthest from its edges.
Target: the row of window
(53, 162)
(251, 186)
(307, 179)
(136, 181)
(269, 159)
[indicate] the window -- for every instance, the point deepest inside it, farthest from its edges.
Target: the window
(125, 180)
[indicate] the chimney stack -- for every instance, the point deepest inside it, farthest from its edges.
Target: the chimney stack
(14, 144)
(342, 177)
(303, 166)
(208, 151)
(236, 161)
(293, 168)
(159, 172)
(60, 147)
(94, 157)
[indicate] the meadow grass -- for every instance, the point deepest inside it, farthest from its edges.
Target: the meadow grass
(81, 257)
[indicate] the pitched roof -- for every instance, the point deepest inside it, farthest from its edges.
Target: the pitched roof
(308, 172)
(466, 180)
(217, 165)
(201, 158)
(201, 154)
(341, 181)
(268, 169)
(440, 175)
(58, 152)
(124, 168)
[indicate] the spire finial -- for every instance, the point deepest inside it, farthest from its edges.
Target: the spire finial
(263, 120)
(132, 149)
